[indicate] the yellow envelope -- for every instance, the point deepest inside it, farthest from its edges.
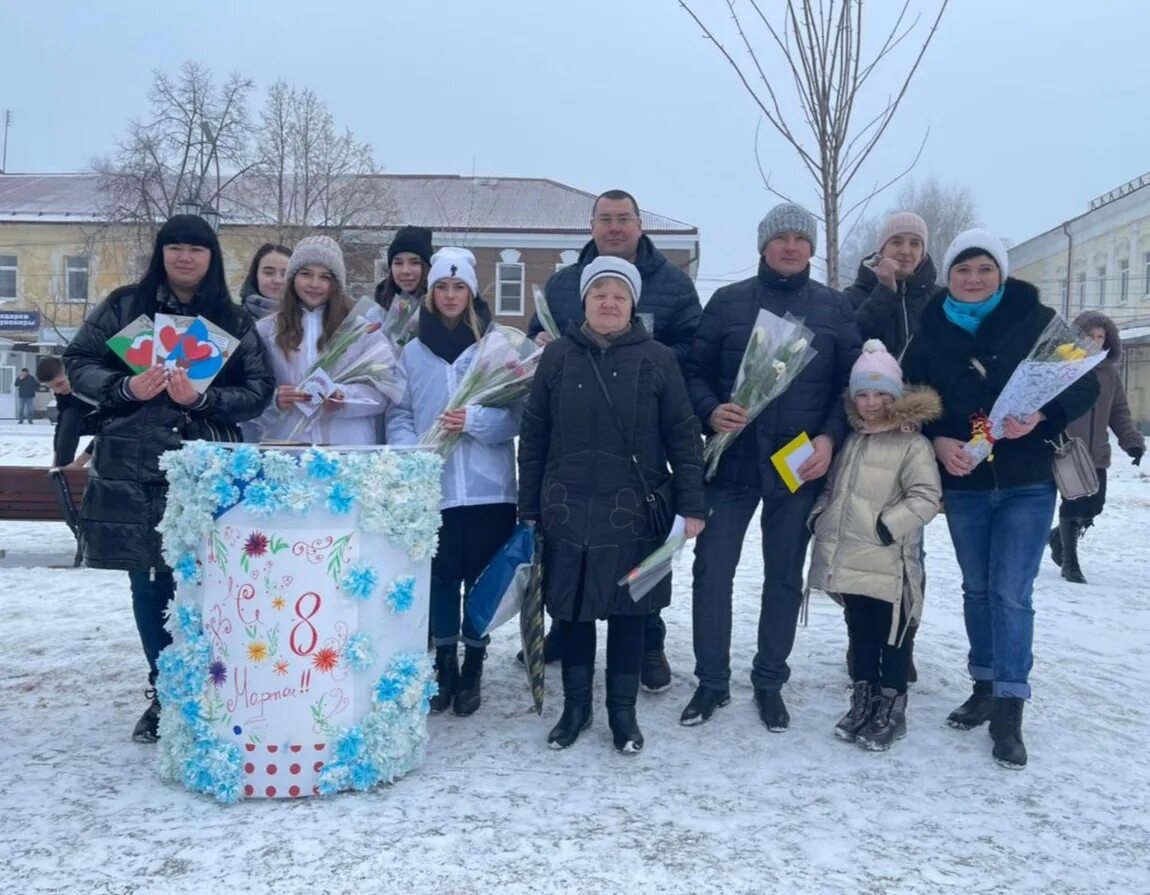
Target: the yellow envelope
(790, 457)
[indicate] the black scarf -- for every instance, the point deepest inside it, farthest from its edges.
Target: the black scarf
(449, 343)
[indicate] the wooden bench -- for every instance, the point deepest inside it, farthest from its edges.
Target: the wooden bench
(36, 494)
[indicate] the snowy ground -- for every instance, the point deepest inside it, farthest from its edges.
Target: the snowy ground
(727, 807)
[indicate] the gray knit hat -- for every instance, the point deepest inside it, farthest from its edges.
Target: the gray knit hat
(318, 250)
(610, 266)
(789, 218)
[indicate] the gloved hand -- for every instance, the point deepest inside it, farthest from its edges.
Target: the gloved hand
(1136, 455)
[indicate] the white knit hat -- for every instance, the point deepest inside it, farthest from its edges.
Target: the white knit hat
(610, 266)
(453, 261)
(977, 239)
(321, 250)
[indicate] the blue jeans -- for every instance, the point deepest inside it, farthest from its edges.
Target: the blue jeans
(998, 540)
(26, 409)
(150, 599)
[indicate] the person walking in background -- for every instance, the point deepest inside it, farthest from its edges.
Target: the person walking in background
(263, 287)
(26, 388)
(868, 528)
(140, 417)
(670, 309)
(479, 494)
(973, 336)
(608, 410)
(745, 477)
(1110, 413)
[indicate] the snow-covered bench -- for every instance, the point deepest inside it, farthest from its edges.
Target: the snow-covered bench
(36, 494)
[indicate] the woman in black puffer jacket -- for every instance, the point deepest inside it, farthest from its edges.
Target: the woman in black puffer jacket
(140, 417)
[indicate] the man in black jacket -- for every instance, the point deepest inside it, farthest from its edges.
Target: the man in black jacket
(70, 412)
(669, 307)
(26, 388)
(745, 476)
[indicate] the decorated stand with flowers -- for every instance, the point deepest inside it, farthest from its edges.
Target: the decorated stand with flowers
(299, 657)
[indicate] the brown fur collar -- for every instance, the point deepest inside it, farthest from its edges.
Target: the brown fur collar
(917, 406)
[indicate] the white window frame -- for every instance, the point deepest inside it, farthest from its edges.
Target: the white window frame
(1123, 281)
(567, 258)
(509, 260)
(15, 268)
(1101, 272)
(68, 269)
(1082, 291)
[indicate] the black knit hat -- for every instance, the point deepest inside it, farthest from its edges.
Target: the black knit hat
(416, 240)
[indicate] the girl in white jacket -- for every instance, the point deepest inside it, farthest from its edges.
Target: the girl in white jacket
(479, 494)
(314, 304)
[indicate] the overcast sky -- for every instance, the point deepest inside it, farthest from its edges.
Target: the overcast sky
(1036, 105)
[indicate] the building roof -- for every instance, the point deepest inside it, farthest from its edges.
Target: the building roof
(443, 202)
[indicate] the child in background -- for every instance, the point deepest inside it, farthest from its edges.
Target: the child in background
(868, 525)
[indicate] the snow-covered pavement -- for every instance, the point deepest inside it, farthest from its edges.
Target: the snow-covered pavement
(726, 807)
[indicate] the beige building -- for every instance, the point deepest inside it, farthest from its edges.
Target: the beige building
(1100, 261)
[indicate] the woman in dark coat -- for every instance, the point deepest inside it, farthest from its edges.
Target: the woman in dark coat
(579, 483)
(140, 417)
(973, 336)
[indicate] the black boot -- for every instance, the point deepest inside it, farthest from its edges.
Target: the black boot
(1006, 729)
(148, 727)
(655, 674)
(1055, 542)
(887, 723)
(976, 710)
(468, 697)
(446, 676)
(862, 704)
(1070, 531)
(576, 716)
(772, 710)
(552, 648)
(908, 639)
(621, 692)
(703, 705)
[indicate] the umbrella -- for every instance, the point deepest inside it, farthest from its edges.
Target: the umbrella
(531, 626)
(498, 593)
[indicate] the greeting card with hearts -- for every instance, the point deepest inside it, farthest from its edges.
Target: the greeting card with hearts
(134, 344)
(193, 344)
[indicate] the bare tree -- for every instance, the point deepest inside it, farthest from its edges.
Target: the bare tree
(196, 130)
(309, 175)
(821, 45)
(948, 209)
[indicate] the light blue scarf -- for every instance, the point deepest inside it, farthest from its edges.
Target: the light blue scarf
(969, 315)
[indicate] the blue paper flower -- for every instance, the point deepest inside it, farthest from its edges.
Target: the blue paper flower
(260, 499)
(187, 569)
(188, 617)
(359, 652)
(359, 582)
(401, 594)
(388, 689)
(320, 464)
(226, 494)
(340, 499)
(350, 745)
(245, 463)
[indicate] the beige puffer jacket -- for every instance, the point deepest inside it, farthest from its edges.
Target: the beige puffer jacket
(886, 471)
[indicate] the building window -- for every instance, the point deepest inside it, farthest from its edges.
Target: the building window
(1146, 260)
(76, 278)
(510, 274)
(1123, 280)
(1101, 271)
(1082, 291)
(7, 277)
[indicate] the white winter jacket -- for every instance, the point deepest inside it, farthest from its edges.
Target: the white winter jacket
(481, 468)
(353, 424)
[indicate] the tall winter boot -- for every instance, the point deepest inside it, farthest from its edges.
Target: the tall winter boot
(1070, 531)
(1006, 730)
(863, 696)
(976, 710)
(576, 716)
(887, 722)
(621, 692)
(1055, 542)
(655, 674)
(468, 697)
(446, 676)
(147, 729)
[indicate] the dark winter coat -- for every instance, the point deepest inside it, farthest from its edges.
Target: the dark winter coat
(127, 491)
(71, 411)
(890, 316)
(1110, 411)
(26, 385)
(576, 478)
(942, 356)
(811, 404)
(668, 294)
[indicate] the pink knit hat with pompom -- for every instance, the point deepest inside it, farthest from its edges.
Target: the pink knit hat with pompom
(876, 369)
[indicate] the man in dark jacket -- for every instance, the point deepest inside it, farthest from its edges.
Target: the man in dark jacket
(895, 283)
(670, 309)
(745, 476)
(70, 412)
(26, 388)
(142, 416)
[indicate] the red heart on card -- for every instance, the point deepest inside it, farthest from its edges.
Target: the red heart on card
(193, 349)
(140, 355)
(169, 336)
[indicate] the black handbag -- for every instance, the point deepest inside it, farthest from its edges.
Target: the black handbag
(660, 501)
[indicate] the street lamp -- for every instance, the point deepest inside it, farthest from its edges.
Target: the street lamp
(212, 216)
(192, 205)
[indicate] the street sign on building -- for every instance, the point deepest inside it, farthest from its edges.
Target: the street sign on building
(19, 321)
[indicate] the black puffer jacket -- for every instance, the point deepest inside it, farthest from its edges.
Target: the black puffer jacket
(811, 404)
(891, 316)
(576, 477)
(668, 294)
(943, 356)
(126, 495)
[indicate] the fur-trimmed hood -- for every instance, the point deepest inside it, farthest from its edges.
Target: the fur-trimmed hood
(1090, 319)
(919, 405)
